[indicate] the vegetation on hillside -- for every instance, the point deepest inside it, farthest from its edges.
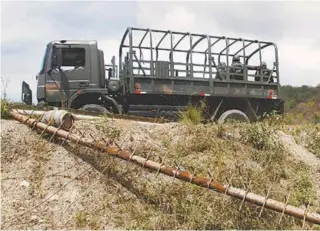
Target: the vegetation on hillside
(295, 95)
(302, 104)
(251, 156)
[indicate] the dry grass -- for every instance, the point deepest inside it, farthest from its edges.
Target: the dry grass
(249, 153)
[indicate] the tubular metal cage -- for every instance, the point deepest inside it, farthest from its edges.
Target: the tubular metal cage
(132, 65)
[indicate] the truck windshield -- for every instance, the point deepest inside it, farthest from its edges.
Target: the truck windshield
(44, 59)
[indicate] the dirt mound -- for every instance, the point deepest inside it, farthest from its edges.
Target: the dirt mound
(47, 186)
(302, 154)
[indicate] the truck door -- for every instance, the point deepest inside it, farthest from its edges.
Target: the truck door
(73, 72)
(26, 93)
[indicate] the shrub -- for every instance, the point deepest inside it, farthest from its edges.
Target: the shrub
(261, 136)
(313, 141)
(303, 190)
(5, 105)
(193, 115)
(316, 119)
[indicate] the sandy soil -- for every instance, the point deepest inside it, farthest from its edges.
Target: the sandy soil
(46, 186)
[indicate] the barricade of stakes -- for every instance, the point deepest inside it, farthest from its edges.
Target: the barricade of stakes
(64, 123)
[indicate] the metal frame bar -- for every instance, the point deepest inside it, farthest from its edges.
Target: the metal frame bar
(159, 44)
(186, 33)
(151, 54)
(194, 45)
(187, 57)
(210, 65)
(227, 48)
(243, 48)
(171, 55)
(176, 50)
(214, 43)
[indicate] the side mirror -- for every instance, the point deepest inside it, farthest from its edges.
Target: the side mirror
(26, 94)
(109, 73)
(113, 60)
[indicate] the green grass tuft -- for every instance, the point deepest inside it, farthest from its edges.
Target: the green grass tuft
(5, 107)
(193, 115)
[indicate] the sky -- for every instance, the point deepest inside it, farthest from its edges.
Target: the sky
(26, 28)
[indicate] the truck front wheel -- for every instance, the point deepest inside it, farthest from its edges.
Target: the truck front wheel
(233, 115)
(94, 108)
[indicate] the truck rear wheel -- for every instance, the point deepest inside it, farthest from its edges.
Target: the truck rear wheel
(94, 108)
(233, 115)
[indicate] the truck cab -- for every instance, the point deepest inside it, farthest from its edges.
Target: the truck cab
(70, 69)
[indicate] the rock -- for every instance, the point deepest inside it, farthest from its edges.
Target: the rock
(34, 218)
(24, 183)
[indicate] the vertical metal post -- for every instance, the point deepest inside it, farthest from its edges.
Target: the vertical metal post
(171, 56)
(227, 55)
(131, 62)
(210, 64)
(244, 62)
(260, 59)
(191, 62)
(171, 61)
(151, 54)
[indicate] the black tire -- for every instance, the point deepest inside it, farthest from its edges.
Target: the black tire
(234, 115)
(94, 108)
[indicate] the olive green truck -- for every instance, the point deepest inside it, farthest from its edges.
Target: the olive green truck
(160, 73)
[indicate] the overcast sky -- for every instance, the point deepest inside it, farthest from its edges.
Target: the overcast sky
(26, 28)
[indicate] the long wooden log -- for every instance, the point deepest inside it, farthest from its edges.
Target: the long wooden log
(173, 172)
(76, 116)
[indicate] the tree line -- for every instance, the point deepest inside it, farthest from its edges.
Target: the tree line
(302, 94)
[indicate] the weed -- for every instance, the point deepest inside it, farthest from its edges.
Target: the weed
(109, 131)
(31, 189)
(303, 190)
(313, 141)
(260, 135)
(93, 223)
(316, 119)
(192, 115)
(5, 106)
(80, 219)
(165, 142)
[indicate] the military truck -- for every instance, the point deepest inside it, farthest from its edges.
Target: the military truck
(161, 73)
